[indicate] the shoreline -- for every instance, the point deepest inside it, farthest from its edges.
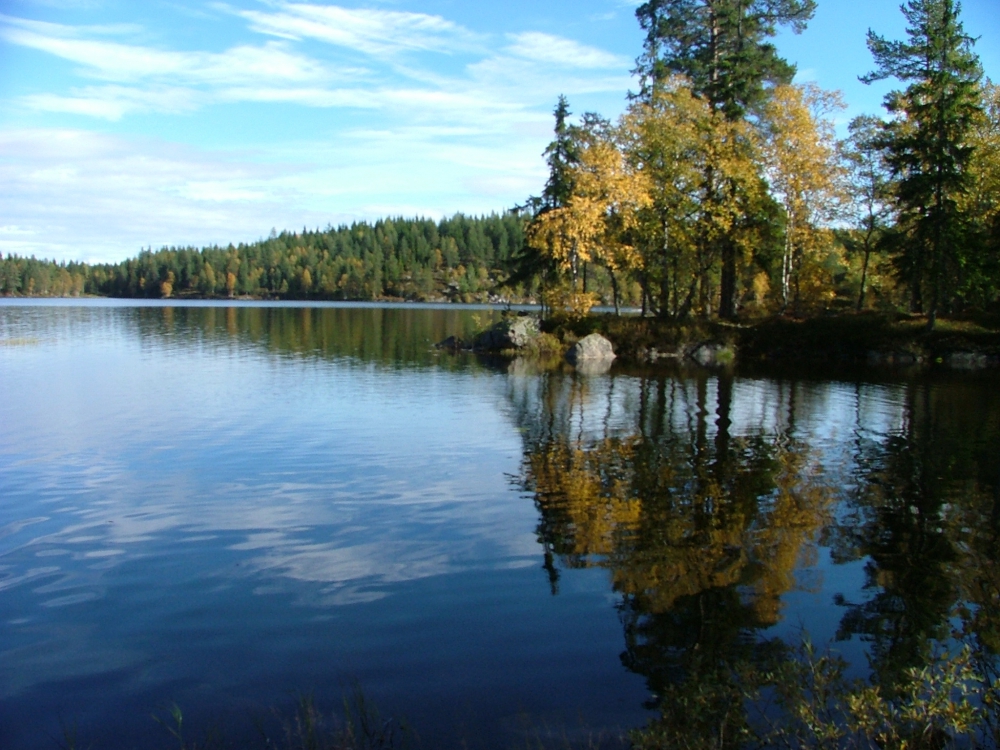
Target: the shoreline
(872, 340)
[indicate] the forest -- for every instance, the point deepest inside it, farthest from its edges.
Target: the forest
(461, 258)
(723, 191)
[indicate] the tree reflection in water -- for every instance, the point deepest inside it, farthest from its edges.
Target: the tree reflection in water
(704, 499)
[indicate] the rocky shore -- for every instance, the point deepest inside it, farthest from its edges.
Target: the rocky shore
(866, 339)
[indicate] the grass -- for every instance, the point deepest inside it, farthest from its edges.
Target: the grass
(359, 726)
(795, 698)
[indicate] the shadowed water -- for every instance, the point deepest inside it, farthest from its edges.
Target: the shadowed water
(224, 507)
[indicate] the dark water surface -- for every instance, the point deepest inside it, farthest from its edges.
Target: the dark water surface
(227, 507)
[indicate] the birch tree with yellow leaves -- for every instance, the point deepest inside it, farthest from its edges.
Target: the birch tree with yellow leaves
(607, 205)
(805, 174)
(598, 221)
(702, 172)
(661, 135)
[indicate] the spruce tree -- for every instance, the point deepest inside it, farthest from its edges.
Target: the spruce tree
(928, 145)
(561, 154)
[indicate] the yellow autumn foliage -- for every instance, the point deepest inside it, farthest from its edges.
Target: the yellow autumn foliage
(804, 171)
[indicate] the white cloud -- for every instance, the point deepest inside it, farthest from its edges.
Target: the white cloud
(142, 79)
(557, 50)
(114, 102)
(525, 80)
(118, 62)
(370, 31)
(309, 97)
(86, 195)
(58, 29)
(221, 192)
(73, 194)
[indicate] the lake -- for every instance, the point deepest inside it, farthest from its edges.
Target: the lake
(229, 506)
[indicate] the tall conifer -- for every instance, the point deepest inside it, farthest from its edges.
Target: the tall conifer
(928, 144)
(561, 154)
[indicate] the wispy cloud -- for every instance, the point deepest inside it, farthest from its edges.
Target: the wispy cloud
(147, 79)
(76, 194)
(557, 50)
(370, 31)
(62, 30)
(118, 62)
(88, 195)
(114, 102)
(437, 119)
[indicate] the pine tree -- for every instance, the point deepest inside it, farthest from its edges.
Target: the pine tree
(928, 144)
(720, 46)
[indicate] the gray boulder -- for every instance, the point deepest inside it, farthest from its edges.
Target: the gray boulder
(509, 333)
(590, 349)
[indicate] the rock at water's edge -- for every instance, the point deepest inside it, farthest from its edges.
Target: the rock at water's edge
(451, 344)
(592, 347)
(711, 354)
(510, 333)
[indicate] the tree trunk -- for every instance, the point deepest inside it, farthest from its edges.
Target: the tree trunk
(786, 267)
(727, 284)
(614, 290)
(864, 278)
(665, 275)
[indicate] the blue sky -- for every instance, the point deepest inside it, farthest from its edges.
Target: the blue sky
(129, 124)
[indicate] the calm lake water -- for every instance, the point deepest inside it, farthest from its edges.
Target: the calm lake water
(227, 507)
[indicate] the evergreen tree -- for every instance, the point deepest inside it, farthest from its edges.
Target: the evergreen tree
(533, 263)
(560, 155)
(928, 144)
(720, 46)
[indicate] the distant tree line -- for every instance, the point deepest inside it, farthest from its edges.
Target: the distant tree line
(460, 258)
(31, 277)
